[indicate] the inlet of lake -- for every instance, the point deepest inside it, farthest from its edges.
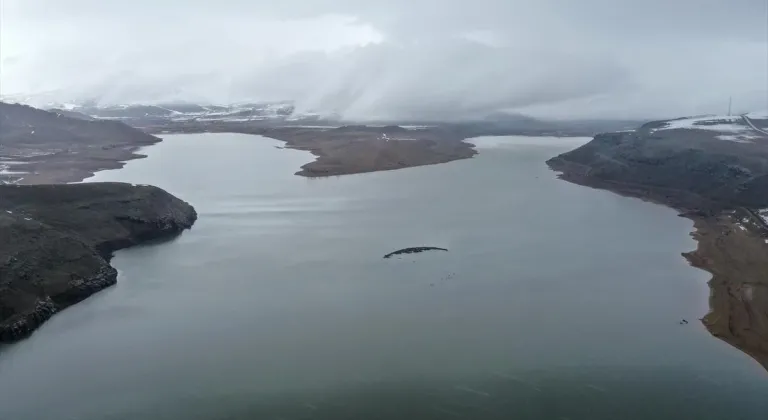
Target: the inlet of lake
(554, 301)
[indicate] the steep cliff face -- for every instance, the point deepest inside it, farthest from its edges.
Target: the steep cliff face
(56, 240)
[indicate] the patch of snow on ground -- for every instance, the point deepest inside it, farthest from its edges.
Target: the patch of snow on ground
(416, 127)
(758, 115)
(763, 213)
(407, 126)
(4, 171)
(744, 138)
(34, 153)
(253, 118)
(710, 122)
(324, 127)
(5, 168)
(173, 112)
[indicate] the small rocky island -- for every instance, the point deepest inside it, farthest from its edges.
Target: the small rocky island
(414, 250)
(56, 242)
(714, 170)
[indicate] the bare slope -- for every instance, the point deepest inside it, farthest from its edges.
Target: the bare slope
(39, 146)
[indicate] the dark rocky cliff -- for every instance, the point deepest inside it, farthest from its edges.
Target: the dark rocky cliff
(56, 241)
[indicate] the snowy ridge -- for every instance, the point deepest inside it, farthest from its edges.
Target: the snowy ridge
(763, 213)
(709, 122)
(729, 127)
(190, 112)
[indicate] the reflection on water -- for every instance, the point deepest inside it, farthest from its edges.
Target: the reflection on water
(553, 301)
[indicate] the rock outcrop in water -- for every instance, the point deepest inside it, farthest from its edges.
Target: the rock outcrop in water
(56, 241)
(414, 250)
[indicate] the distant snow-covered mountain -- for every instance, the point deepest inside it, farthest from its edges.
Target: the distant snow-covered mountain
(286, 113)
(185, 111)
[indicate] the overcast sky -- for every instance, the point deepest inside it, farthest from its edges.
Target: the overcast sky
(396, 58)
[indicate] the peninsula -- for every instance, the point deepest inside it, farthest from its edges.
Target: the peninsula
(56, 242)
(56, 239)
(714, 170)
(350, 149)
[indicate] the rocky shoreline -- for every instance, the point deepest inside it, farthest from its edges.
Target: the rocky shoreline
(721, 186)
(56, 242)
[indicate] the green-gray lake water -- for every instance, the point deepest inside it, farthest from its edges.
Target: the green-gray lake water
(554, 301)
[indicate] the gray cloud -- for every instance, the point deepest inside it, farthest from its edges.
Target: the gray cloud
(399, 58)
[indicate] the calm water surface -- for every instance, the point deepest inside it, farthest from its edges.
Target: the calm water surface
(554, 302)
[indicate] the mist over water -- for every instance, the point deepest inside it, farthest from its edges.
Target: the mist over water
(554, 301)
